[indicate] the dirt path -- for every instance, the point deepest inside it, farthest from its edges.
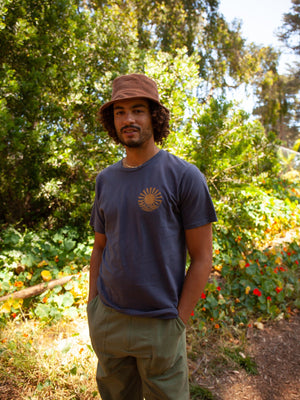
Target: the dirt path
(276, 351)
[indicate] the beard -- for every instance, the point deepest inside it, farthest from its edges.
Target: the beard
(140, 137)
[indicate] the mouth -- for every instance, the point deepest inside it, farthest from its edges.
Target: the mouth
(129, 130)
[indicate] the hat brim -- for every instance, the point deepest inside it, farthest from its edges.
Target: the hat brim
(109, 103)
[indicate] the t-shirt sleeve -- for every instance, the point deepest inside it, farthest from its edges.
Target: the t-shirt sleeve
(97, 220)
(197, 208)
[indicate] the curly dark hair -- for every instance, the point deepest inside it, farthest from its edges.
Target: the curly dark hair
(160, 117)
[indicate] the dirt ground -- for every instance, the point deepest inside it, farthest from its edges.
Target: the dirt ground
(276, 351)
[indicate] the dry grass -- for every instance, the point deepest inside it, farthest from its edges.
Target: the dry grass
(47, 362)
(57, 362)
(39, 362)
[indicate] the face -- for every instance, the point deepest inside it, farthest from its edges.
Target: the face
(133, 123)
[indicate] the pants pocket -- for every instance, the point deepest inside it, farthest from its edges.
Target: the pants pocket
(181, 324)
(91, 303)
(97, 325)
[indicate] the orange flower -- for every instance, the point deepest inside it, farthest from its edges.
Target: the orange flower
(18, 284)
(217, 326)
(42, 264)
(56, 259)
(218, 267)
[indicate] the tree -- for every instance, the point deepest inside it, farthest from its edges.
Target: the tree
(289, 35)
(290, 29)
(278, 105)
(225, 60)
(56, 61)
(278, 95)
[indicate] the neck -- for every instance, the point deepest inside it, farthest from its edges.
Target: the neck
(136, 156)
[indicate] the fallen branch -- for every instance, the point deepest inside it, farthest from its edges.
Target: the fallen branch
(37, 289)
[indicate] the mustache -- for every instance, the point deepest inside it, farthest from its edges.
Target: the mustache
(130, 126)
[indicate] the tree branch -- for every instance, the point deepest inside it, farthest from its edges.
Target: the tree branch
(37, 289)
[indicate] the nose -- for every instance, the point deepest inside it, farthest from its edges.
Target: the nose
(128, 118)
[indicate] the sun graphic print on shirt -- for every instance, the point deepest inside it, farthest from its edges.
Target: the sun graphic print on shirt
(150, 199)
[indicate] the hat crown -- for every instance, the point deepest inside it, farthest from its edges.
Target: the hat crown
(133, 86)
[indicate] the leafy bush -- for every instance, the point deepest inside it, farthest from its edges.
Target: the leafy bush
(31, 258)
(253, 275)
(265, 284)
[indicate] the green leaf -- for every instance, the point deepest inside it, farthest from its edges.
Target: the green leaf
(67, 299)
(69, 244)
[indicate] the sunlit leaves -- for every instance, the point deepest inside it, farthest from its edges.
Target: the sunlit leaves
(54, 60)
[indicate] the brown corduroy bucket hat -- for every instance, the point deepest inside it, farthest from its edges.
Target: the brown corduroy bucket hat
(133, 86)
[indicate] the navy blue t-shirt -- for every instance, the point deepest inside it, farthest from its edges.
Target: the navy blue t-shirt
(144, 213)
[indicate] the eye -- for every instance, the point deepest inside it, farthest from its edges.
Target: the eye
(138, 111)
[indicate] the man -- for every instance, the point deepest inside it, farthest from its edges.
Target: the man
(149, 208)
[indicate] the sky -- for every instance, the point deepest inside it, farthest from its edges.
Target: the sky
(260, 19)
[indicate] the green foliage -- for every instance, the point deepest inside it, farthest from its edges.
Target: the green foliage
(31, 258)
(58, 61)
(262, 283)
(250, 280)
(278, 104)
(200, 393)
(253, 278)
(244, 361)
(278, 100)
(53, 74)
(291, 27)
(230, 150)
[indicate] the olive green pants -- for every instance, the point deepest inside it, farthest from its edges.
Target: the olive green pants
(138, 357)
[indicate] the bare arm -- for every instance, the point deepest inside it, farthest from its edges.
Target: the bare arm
(199, 244)
(99, 244)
